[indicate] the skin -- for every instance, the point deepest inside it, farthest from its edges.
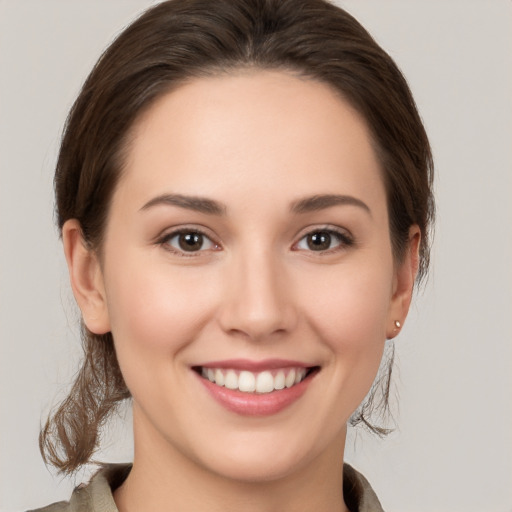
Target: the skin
(257, 143)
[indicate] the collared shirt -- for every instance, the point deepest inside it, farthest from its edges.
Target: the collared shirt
(97, 495)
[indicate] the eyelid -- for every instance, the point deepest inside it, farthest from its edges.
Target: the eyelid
(169, 233)
(344, 236)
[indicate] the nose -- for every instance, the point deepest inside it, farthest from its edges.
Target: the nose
(259, 302)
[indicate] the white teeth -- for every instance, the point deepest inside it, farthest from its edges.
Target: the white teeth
(299, 375)
(231, 380)
(219, 377)
(279, 380)
(249, 382)
(289, 381)
(264, 382)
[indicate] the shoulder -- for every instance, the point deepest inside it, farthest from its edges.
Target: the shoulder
(96, 496)
(61, 506)
(358, 493)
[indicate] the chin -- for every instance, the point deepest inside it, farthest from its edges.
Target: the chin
(269, 456)
(262, 467)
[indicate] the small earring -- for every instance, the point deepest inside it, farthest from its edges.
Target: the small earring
(398, 324)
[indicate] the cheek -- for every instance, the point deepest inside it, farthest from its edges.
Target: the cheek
(349, 313)
(352, 304)
(156, 309)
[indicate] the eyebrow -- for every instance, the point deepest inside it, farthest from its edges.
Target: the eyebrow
(198, 204)
(320, 202)
(211, 207)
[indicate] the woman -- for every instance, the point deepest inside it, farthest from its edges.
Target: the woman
(244, 196)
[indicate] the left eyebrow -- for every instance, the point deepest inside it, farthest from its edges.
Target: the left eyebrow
(321, 202)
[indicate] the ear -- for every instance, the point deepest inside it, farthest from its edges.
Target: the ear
(86, 278)
(403, 283)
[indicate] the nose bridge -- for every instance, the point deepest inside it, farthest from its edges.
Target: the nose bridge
(258, 303)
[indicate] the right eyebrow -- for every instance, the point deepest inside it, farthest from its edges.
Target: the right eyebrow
(196, 203)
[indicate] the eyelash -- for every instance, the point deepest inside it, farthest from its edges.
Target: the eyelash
(344, 240)
(164, 241)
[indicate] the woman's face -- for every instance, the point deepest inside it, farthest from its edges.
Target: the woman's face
(247, 274)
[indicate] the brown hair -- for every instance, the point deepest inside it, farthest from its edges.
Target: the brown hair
(179, 40)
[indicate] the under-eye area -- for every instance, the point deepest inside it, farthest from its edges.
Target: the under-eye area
(266, 381)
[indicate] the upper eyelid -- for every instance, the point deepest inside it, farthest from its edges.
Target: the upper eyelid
(323, 227)
(169, 232)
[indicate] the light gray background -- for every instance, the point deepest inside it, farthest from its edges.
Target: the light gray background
(453, 449)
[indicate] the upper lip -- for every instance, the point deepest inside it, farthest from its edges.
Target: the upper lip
(255, 366)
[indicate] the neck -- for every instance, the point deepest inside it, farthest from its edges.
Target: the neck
(163, 478)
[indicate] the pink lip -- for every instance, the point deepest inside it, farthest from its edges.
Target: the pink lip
(254, 366)
(255, 404)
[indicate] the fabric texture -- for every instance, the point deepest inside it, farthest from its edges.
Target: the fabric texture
(96, 496)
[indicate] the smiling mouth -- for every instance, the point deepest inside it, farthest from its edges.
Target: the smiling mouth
(267, 381)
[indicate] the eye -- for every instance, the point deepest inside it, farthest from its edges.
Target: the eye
(323, 240)
(188, 241)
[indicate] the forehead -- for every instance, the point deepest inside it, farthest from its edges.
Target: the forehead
(249, 132)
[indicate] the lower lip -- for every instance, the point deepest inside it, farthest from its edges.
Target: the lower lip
(256, 404)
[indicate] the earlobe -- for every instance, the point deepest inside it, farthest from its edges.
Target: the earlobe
(86, 278)
(404, 283)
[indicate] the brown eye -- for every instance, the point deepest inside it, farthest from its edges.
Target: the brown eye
(319, 241)
(189, 241)
(323, 240)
